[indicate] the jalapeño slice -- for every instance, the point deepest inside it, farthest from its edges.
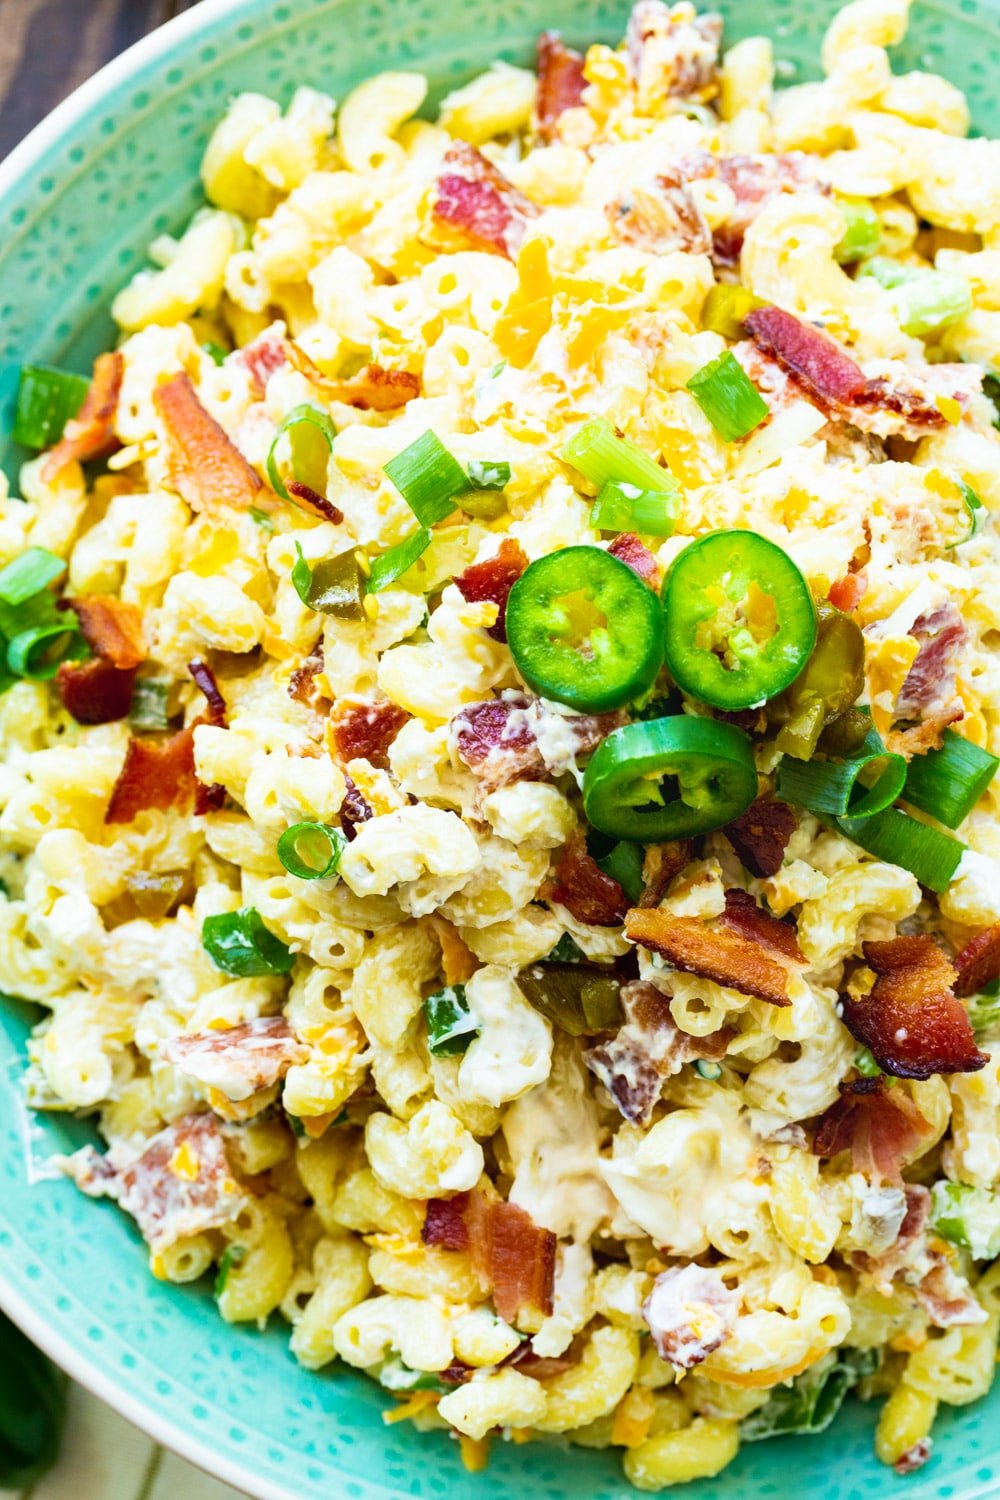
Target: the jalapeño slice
(739, 620)
(584, 629)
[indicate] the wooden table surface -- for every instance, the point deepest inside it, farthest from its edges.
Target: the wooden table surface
(47, 47)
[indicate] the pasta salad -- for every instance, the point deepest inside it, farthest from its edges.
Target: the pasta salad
(500, 705)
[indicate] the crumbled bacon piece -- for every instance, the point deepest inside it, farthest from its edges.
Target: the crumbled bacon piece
(721, 954)
(690, 1312)
(930, 692)
(353, 810)
(586, 892)
(911, 1020)
(95, 692)
(209, 798)
(647, 1049)
(91, 433)
(660, 216)
(241, 1060)
(753, 181)
(847, 593)
(112, 629)
(373, 388)
(880, 1127)
(661, 863)
(761, 834)
(302, 684)
(475, 207)
(544, 1366)
(946, 1297)
(818, 364)
(456, 1373)
(319, 503)
(511, 738)
(914, 1458)
(671, 55)
(561, 83)
(978, 963)
(363, 729)
(156, 774)
(637, 556)
(744, 916)
(507, 1247)
(206, 469)
(493, 580)
(263, 357)
(181, 1185)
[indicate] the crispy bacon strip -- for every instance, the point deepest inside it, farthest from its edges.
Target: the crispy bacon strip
(744, 916)
(476, 208)
(319, 503)
(761, 834)
(493, 580)
(445, 1224)
(241, 1060)
(637, 556)
(91, 433)
(661, 863)
(690, 1312)
(154, 775)
(361, 728)
(586, 892)
(647, 1049)
(507, 1247)
(209, 798)
(112, 629)
(946, 1297)
(911, 1020)
(542, 1366)
(561, 83)
(823, 369)
(373, 388)
(95, 692)
(353, 810)
(721, 954)
(978, 963)
(497, 739)
(302, 683)
(880, 1127)
(206, 469)
(930, 692)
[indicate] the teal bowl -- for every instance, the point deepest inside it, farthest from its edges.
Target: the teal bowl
(79, 201)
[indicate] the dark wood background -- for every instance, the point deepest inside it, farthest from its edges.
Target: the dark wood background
(47, 47)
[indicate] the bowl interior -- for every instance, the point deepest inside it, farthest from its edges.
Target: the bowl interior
(79, 203)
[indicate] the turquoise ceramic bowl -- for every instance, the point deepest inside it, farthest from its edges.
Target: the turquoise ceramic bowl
(79, 201)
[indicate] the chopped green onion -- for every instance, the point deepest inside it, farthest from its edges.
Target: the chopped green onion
(991, 390)
(36, 653)
(311, 851)
(310, 434)
(833, 786)
(625, 507)
(484, 475)
(600, 455)
(947, 783)
(231, 1256)
(395, 1376)
(429, 478)
(726, 307)
(862, 231)
(975, 510)
(46, 399)
(397, 561)
(810, 1402)
(984, 1008)
(967, 1216)
(624, 864)
(28, 574)
(238, 943)
(216, 353)
(566, 951)
(866, 1064)
(450, 1025)
(890, 273)
(332, 587)
(925, 300)
(149, 704)
(712, 1071)
(261, 518)
(728, 397)
(892, 836)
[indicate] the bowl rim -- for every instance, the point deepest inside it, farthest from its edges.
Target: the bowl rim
(43, 1332)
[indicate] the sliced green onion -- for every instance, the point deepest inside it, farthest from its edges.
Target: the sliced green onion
(216, 353)
(930, 855)
(862, 231)
(450, 1025)
(28, 574)
(36, 653)
(484, 475)
(429, 478)
(967, 1216)
(726, 307)
(149, 704)
(866, 1064)
(238, 943)
(332, 587)
(925, 299)
(46, 399)
(261, 518)
(231, 1256)
(311, 851)
(984, 1008)
(947, 783)
(626, 507)
(599, 454)
(624, 864)
(310, 434)
(712, 1071)
(728, 397)
(397, 561)
(833, 786)
(976, 511)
